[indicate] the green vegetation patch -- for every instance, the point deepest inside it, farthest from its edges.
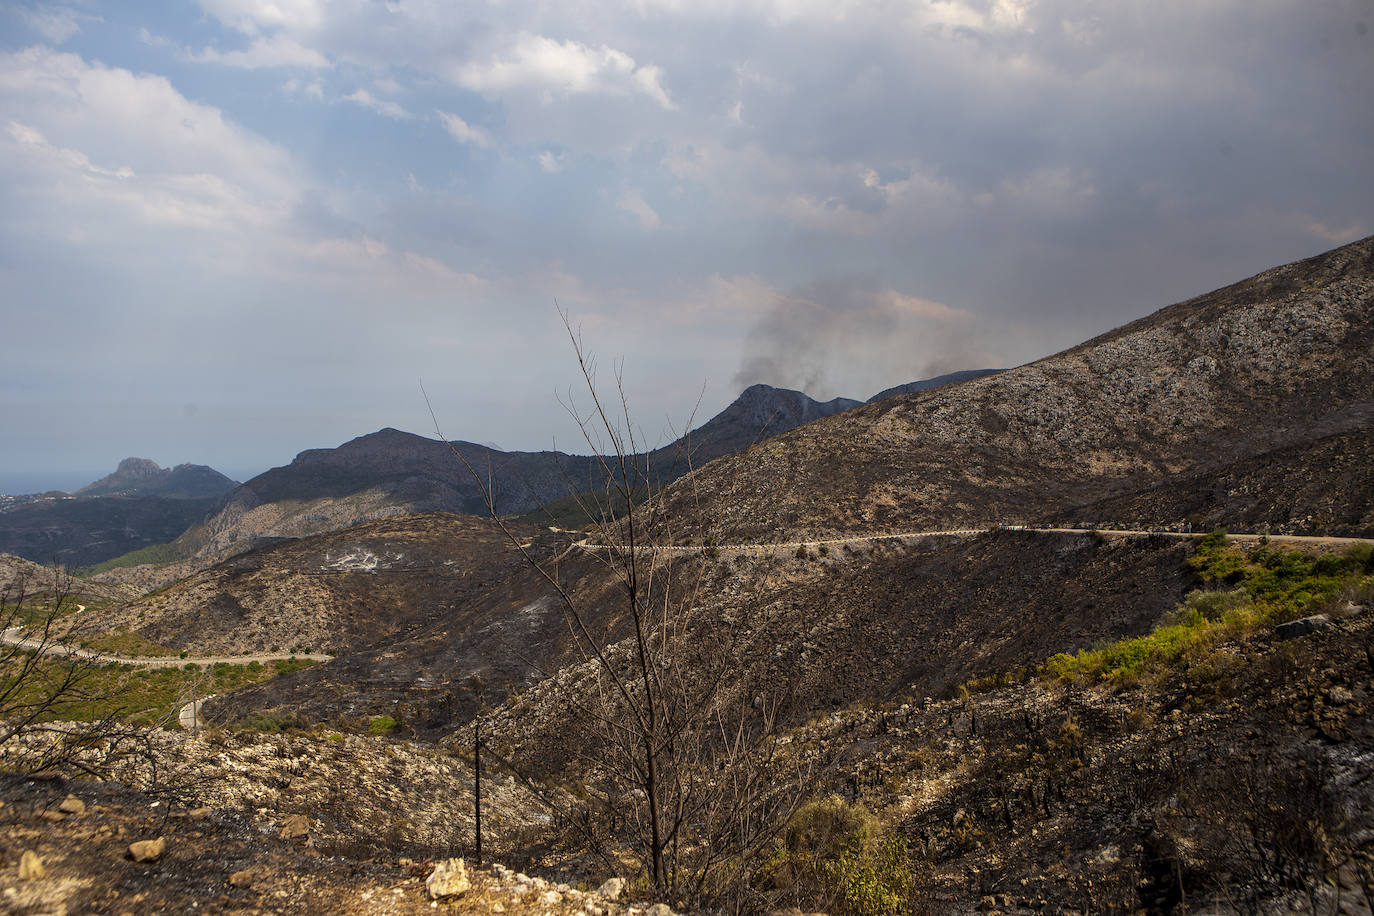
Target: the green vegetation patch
(132, 693)
(1246, 591)
(152, 555)
(834, 852)
(126, 643)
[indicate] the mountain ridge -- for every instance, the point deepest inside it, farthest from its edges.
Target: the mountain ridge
(1270, 362)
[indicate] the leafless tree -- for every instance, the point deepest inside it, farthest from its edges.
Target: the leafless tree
(685, 762)
(45, 680)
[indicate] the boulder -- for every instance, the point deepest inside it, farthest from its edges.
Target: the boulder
(1295, 628)
(612, 889)
(148, 850)
(660, 909)
(72, 805)
(30, 866)
(449, 879)
(297, 825)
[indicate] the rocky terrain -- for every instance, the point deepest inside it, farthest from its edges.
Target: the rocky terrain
(993, 719)
(34, 579)
(264, 824)
(827, 629)
(338, 592)
(1275, 362)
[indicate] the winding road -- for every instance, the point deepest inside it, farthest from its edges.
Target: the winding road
(1295, 540)
(14, 636)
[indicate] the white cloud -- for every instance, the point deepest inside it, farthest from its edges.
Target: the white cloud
(151, 40)
(556, 68)
(314, 89)
(55, 23)
(464, 132)
(269, 52)
(252, 16)
(633, 202)
(182, 201)
(550, 162)
(384, 107)
(137, 120)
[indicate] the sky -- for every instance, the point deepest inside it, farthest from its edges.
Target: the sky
(231, 230)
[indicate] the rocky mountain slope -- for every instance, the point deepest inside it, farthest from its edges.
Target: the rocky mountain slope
(21, 576)
(1275, 362)
(950, 378)
(1008, 720)
(369, 584)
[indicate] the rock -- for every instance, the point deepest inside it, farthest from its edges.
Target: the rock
(243, 878)
(612, 889)
(1295, 628)
(72, 805)
(297, 825)
(199, 814)
(449, 879)
(1339, 696)
(148, 850)
(550, 898)
(30, 866)
(660, 909)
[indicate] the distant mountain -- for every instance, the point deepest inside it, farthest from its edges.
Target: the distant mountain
(86, 530)
(926, 384)
(142, 477)
(137, 506)
(390, 472)
(759, 412)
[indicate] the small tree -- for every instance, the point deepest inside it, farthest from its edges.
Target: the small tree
(46, 679)
(687, 743)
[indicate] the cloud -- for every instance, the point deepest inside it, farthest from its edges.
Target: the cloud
(139, 122)
(314, 89)
(633, 202)
(464, 132)
(264, 53)
(55, 23)
(252, 16)
(550, 162)
(560, 68)
(384, 107)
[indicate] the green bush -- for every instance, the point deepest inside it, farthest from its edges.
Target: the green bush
(1204, 604)
(380, 725)
(877, 881)
(833, 854)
